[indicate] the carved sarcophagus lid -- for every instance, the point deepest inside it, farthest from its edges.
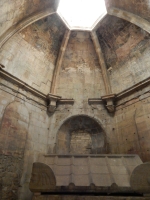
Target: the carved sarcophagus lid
(140, 178)
(84, 173)
(42, 179)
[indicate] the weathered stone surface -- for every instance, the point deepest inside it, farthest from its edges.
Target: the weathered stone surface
(13, 136)
(140, 8)
(81, 135)
(31, 55)
(15, 11)
(132, 127)
(90, 173)
(80, 75)
(140, 179)
(42, 178)
(70, 197)
(20, 141)
(124, 52)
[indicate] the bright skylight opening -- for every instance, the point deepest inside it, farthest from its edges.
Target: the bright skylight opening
(81, 14)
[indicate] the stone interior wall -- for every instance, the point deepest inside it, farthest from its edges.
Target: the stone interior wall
(132, 124)
(24, 120)
(13, 136)
(31, 55)
(80, 75)
(27, 130)
(81, 135)
(77, 197)
(80, 142)
(23, 135)
(137, 7)
(41, 132)
(126, 52)
(14, 11)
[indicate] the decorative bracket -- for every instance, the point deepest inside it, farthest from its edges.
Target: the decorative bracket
(109, 102)
(2, 66)
(52, 102)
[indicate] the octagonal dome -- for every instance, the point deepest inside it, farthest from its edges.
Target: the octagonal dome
(81, 14)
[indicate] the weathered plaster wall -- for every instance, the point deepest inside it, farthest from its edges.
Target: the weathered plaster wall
(14, 11)
(31, 55)
(126, 52)
(80, 75)
(140, 8)
(23, 135)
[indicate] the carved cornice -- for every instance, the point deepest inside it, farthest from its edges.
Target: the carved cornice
(95, 101)
(6, 75)
(54, 100)
(108, 100)
(133, 89)
(66, 101)
(111, 99)
(22, 85)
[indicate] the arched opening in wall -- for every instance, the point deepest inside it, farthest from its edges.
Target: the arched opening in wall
(81, 135)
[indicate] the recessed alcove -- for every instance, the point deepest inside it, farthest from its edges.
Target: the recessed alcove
(81, 135)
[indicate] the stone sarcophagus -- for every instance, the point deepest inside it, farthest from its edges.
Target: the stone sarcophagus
(90, 174)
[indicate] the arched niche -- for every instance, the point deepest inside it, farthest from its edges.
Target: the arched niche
(13, 137)
(14, 129)
(81, 135)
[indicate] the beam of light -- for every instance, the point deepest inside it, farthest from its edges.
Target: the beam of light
(81, 13)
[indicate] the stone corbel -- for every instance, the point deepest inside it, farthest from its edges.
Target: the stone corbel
(2, 66)
(52, 102)
(109, 102)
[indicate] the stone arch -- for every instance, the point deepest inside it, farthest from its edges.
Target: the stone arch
(134, 19)
(13, 136)
(24, 23)
(81, 134)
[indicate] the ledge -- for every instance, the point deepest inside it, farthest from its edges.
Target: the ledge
(107, 99)
(95, 101)
(65, 101)
(14, 80)
(20, 83)
(111, 99)
(133, 89)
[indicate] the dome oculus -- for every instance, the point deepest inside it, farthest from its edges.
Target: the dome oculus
(81, 14)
